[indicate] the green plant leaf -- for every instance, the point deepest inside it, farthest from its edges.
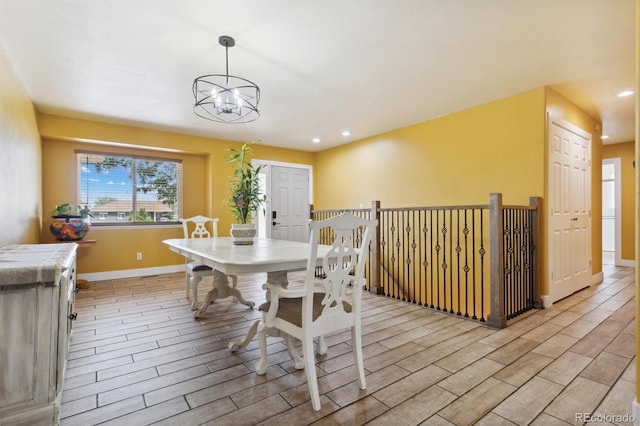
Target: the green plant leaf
(244, 184)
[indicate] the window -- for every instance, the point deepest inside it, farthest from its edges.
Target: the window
(114, 186)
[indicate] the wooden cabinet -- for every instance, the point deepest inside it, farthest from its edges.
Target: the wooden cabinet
(37, 289)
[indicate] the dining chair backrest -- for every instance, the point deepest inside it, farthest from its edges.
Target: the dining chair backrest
(343, 270)
(199, 225)
(196, 227)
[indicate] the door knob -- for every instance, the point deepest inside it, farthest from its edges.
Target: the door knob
(274, 223)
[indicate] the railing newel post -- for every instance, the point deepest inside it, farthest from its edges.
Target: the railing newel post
(375, 251)
(497, 317)
(535, 257)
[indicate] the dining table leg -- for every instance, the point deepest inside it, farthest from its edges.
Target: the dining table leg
(220, 290)
(275, 278)
(194, 281)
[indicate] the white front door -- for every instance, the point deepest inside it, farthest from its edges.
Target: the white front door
(289, 203)
(569, 207)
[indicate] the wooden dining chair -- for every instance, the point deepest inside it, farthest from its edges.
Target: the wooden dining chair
(322, 306)
(196, 227)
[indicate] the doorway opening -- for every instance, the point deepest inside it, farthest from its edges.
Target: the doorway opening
(289, 190)
(611, 207)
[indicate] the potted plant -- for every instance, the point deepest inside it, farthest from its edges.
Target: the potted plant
(71, 222)
(246, 196)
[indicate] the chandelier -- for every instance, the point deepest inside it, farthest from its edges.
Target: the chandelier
(226, 98)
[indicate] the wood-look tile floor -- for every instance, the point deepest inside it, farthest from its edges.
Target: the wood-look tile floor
(138, 357)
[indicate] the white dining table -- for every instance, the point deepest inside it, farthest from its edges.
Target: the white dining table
(275, 257)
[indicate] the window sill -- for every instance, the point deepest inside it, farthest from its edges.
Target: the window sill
(96, 226)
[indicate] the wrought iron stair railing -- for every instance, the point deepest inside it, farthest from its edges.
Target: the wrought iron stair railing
(475, 261)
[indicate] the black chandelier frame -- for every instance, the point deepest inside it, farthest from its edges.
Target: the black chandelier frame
(226, 98)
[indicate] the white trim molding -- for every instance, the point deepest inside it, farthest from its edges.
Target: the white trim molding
(132, 273)
(546, 301)
(597, 278)
(627, 263)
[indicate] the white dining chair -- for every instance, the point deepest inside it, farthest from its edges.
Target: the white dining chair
(318, 310)
(196, 227)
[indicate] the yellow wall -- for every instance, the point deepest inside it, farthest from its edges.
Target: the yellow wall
(636, 402)
(20, 175)
(456, 159)
(626, 153)
(205, 177)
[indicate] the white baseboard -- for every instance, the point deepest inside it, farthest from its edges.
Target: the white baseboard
(546, 301)
(597, 278)
(627, 263)
(131, 273)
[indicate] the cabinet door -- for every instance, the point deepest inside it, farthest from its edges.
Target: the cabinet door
(26, 343)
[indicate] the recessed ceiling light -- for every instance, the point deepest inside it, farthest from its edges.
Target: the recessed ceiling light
(625, 93)
(315, 140)
(346, 133)
(605, 137)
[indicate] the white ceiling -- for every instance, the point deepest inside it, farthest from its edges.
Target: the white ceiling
(369, 66)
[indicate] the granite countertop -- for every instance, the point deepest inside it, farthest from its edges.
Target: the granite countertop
(28, 264)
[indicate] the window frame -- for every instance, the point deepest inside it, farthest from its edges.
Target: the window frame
(97, 221)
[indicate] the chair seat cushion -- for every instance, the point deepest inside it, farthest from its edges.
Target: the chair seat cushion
(198, 267)
(290, 309)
